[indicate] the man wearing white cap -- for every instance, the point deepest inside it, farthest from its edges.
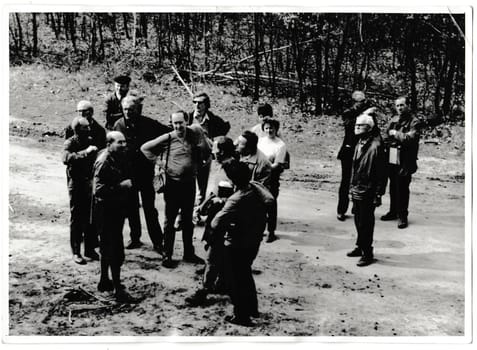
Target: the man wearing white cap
(367, 186)
(97, 132)
(345, 154)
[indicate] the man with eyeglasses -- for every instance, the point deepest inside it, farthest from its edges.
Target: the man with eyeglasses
(212, 126)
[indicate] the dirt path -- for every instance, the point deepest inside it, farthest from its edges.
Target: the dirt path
(306, 284)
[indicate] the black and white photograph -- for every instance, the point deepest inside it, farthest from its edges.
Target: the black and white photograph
(206, 173)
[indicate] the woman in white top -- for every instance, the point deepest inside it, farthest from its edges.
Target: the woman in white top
(276, 151)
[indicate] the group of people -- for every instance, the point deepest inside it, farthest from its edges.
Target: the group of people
(110, 175)
(368, 161)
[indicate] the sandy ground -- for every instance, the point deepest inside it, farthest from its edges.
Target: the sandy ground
(306, 284)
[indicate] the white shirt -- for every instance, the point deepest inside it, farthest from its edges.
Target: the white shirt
(275, 149)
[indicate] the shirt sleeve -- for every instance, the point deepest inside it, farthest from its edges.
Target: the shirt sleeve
(70, 155)
(152, 149)
(281, 153)
(226, 215)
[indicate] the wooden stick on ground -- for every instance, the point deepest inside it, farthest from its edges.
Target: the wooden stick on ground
(182, 81)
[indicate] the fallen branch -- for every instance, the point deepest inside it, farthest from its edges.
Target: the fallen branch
(104, 301)
(182, 81)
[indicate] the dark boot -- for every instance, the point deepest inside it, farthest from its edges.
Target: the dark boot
(355, 252)
(367, 258)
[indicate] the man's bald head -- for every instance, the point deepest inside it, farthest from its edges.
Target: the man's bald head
(115, 141)
(80, 126)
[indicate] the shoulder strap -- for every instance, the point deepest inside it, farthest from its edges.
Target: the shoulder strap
(168, 150)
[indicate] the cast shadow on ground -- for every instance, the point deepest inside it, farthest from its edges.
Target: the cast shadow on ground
(332, 238)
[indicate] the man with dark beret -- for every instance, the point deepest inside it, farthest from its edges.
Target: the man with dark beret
(112, 106)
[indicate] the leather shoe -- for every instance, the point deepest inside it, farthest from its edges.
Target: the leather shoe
(389, 216)
(246, 322)
(402, 223)
(159, 250)
(77, 258)
(365, 261)
(198, 298)
(124, 297)
(134, 244)
(271, 237)
(355, 252)
(105, 285)
(168, 263)
(341, 217)
(92, 255)
(193, 259)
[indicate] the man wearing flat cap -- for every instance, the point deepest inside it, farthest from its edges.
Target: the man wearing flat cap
(139, 129)
(345, 154)
(212, 126)
(112, 106)
(97, 132)
(367, 186)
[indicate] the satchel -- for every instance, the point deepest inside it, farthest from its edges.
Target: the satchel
(160, 175)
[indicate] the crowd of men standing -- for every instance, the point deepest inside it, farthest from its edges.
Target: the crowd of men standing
(110, 174)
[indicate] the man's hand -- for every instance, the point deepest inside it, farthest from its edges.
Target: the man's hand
(91, 149)
(392, 132)
(126, 184)
(377, 201)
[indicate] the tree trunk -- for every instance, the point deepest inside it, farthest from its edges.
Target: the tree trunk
(206, 37)
(134, 29)
(35, 34)
(20, 32)
(93, 39)
(143, 27)
(256, 89)
(337, 65)
(318, 78)
(101, 40)
(125, 24)
(446, 102)
(72, 26)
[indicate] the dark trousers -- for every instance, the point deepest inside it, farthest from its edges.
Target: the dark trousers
(80, 223)
(364, 222)
(214, 266)
(202, 180)
(214, 262)
(148, 197)
(109, 219)
(399, 192)
(273, 210)
(240, 282)
(179, 196)
(343, 193)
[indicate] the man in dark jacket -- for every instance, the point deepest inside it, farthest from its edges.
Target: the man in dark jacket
(112, 105)
(345, 154)
(79, 155)
(243, 218)
(367, 186)
(139, 129)
(111, 186)
(213, 126)
(402, 141)
(97, 132)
